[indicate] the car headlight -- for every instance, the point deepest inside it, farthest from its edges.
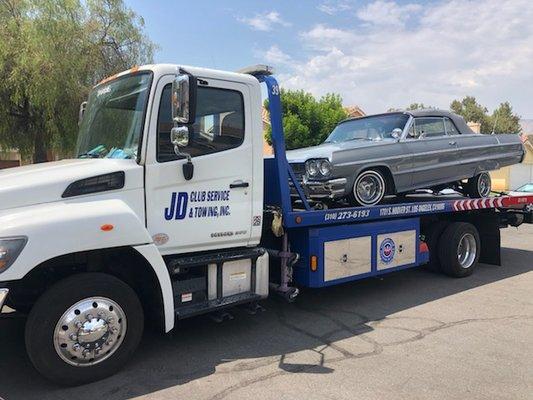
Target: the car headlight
(311, 167)
(318, 168)
(324, 167)
(10, 249)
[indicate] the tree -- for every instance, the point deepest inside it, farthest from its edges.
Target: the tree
(51, 53)
(503, 120)
(472, 111)
(306, 121)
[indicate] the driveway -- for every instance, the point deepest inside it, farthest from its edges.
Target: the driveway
(411, 334)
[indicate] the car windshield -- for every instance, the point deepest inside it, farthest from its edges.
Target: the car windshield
(527, 188)
(113, 119)
(378, 127)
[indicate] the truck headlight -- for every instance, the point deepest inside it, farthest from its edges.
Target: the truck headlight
(320, 168)
(10, 249)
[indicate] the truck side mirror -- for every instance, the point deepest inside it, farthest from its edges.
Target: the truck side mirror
(183, 103)
(184, 99)
(179, 137)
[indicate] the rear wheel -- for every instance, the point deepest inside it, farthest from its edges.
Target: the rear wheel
(479, 186)
(84, 328)
(459, 248)
(369, 188)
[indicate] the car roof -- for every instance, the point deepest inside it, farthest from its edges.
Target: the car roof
(429, 112)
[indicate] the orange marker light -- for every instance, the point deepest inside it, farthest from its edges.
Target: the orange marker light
(298, 219)
(107, 227)
(314, 263)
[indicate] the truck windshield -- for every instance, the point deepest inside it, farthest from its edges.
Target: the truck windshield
(113, 120)
(378, 127)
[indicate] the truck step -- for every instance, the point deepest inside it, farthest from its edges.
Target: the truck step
(216, 304)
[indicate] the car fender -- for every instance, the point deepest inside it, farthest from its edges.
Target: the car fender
(357, 169)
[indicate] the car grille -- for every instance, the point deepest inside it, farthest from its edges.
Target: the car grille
(299, 170)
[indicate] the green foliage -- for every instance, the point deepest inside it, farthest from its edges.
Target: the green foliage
(306, 120)
(472, 111)
(502, 120)
(51, 53)
(418, 106)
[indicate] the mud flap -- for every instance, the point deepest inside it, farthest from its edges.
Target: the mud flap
(488, 226)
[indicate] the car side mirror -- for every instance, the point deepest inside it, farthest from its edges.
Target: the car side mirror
(396, 133)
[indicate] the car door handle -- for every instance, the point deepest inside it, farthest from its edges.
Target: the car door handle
(238, 184)
(452, 143)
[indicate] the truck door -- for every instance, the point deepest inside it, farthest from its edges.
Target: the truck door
(214, 209)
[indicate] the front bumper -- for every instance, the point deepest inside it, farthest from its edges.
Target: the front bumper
(330, 189)
(3, 297)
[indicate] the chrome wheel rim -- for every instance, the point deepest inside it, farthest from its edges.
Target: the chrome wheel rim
(466, 250)
(369, 188)
(90, 331)
(483, 185)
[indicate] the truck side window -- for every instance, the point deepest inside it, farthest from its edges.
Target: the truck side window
(219, 123)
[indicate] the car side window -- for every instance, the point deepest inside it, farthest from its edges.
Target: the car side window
(451, 129)
(219, 123)
(428, 127)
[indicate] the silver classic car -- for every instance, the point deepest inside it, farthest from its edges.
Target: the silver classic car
(367, 158)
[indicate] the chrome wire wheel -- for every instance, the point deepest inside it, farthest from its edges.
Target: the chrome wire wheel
(484, 184)
(369, 188)
(90, 331)
(467, 250)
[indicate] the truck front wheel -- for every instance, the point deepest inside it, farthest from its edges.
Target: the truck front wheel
(84, 328)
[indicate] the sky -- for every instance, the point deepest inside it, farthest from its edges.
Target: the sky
(376, 54)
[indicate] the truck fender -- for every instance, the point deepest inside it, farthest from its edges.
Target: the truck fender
(56, 229)
(153, 257)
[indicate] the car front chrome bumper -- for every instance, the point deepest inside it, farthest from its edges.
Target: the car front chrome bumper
(3, 297)
(332, 189)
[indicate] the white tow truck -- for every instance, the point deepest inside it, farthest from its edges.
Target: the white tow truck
(170, 210)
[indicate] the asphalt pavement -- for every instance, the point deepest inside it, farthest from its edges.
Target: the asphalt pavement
(412, 334)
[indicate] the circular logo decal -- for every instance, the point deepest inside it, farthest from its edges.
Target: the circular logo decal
(387, 250)
(160, 239)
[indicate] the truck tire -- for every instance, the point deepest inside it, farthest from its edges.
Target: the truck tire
(369, 188)
(84, 328)
(432, 236)
(479, 186)
(459, 248)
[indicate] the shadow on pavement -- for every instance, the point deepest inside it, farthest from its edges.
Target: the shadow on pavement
(199, 346)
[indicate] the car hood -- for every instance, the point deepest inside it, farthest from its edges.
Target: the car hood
(326, 150)
(45, 183)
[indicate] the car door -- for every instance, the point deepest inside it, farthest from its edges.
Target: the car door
(214, 209)
(434, 154)
(477, 152)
